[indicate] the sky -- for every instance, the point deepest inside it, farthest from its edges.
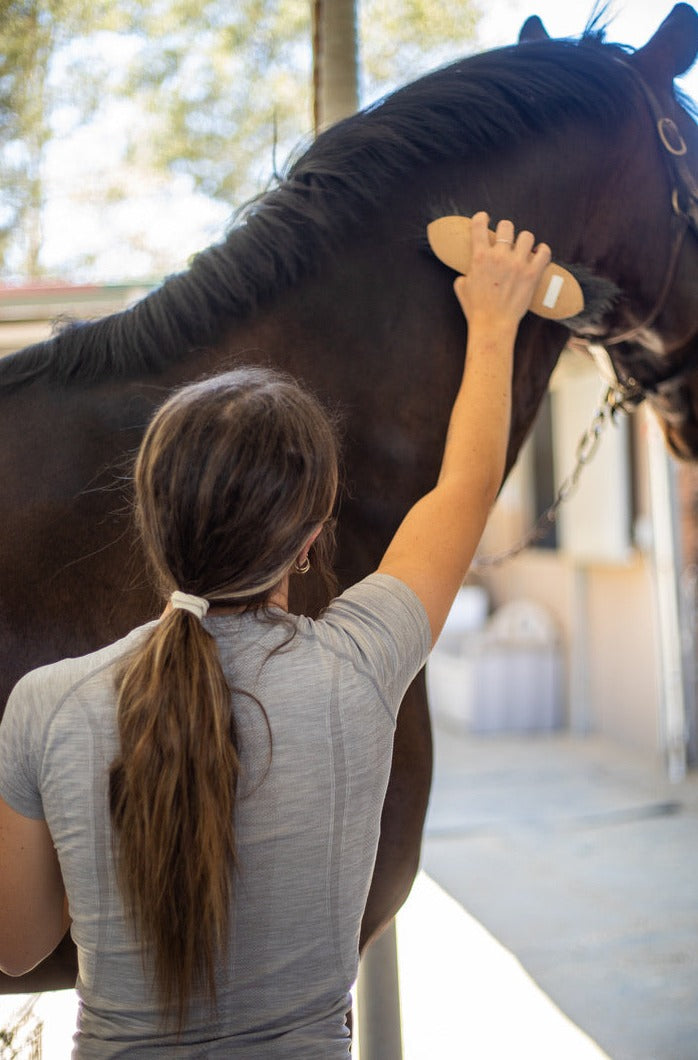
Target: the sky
(147, 215)
(631, 22)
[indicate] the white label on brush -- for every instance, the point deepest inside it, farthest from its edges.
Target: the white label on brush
(554, 288)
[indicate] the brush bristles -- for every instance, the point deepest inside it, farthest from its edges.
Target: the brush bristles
(600, 295)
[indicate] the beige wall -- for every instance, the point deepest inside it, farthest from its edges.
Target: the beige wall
(624, 680)
(605, 611)
(27, 314)
(605, 616)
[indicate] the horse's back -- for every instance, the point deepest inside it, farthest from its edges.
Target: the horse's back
(68, 576)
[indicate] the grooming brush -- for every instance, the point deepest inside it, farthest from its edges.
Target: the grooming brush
(558, 295)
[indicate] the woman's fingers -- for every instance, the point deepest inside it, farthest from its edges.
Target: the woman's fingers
(504, 234)
(479, 231)
(524, 243)
(504, 273)
(543, 253)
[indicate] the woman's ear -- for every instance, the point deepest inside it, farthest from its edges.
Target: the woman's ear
(303, 554)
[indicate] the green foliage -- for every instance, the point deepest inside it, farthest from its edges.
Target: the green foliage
(221, 92)
(243, 85)
(210, 93)
(32, 34)
(401, 41)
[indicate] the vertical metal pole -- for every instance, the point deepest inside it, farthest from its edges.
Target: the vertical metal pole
(665, 562)
(378, 1000)
(580, 700)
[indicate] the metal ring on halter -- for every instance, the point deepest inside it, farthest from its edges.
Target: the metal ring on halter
(671, 137)
(302, 568)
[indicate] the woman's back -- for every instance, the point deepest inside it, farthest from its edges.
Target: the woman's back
(307, 825)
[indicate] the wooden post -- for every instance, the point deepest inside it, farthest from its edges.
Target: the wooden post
(335, 61)
(336, 96)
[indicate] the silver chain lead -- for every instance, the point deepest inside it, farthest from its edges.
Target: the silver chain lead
(615, 400)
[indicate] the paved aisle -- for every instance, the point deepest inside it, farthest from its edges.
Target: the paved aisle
(582, 861)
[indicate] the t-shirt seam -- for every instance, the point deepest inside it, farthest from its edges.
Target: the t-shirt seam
(43, 735)
(361, 670)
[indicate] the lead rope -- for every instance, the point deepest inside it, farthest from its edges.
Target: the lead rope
(615, 400)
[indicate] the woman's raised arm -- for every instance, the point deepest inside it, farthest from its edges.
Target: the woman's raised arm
(435, 543)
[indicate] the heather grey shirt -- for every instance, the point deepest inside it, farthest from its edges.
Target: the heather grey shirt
(307, 824)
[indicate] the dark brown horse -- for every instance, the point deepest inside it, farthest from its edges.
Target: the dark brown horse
(329, 276)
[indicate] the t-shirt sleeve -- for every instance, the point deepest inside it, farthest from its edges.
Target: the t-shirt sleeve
(20, 750)
(388, 632)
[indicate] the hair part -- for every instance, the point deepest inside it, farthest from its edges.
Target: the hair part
(233, 475)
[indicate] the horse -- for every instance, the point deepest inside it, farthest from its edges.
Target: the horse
(328, 275)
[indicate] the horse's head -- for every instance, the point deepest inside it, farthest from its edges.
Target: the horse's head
(651, 334)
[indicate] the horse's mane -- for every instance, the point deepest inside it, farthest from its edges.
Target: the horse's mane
(500, 96)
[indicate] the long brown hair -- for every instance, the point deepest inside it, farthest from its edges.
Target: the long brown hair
(232, 477)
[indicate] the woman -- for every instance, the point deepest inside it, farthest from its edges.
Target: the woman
(215, 862)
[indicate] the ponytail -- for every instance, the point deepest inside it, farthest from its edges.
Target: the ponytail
(172, 799)
(232, 477)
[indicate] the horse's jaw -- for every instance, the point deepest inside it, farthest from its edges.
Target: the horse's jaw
(681, 437)
(675, 404)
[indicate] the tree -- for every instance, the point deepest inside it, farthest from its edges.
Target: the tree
(26, 45)
(32, 34)
(216, 98)
(205, 97)
(202, 95)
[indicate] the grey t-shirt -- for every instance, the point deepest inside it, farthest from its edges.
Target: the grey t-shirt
(307, 823)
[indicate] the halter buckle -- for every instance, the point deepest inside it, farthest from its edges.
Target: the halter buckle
(668, 130)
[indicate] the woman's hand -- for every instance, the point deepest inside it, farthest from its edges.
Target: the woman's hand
(503, 276)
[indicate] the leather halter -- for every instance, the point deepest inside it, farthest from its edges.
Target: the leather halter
(684, 201)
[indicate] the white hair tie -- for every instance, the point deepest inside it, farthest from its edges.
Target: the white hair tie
(196, 605)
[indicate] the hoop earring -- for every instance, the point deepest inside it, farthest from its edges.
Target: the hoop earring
(302, 568)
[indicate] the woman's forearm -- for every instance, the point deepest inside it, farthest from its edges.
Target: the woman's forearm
(478, 429)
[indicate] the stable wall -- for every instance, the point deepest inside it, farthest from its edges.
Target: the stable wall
(605, 620)
(599, 582)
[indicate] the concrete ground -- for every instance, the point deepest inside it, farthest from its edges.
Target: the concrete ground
(557, 915)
